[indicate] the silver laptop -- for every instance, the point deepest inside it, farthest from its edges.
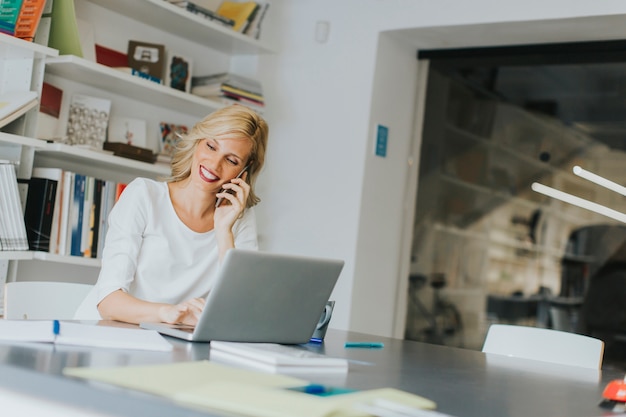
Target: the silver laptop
(262, 297)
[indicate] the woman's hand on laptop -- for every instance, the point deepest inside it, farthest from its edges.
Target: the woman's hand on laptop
(187, 312)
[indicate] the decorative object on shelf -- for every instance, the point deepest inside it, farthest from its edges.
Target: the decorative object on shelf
(127, 130)
(129, 151)
(148, 58)
(170, 134)
(64, 35)
(88, 121)
(178, 72)
(49, 111)
(110, 57)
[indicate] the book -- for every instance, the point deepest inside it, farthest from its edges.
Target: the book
(233, 86)
(95, 224)
(88, 217)
(16, 104)
(148, 58)
(88, 121)
(206, 13)
(77, 334)
(276, 358)
(240, 12)
(42, 35)
(76, 214)
(57, 175)
(28, 19)
(254, 28)
(49, 112)
(178, 72)
(64, 220)
(230, 79)
(39, 212)
(9, 13)
(12, 223)
(110, 57)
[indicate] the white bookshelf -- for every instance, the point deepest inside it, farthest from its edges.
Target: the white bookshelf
(25, 64)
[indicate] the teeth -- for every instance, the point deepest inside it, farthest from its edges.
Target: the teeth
(207, 174)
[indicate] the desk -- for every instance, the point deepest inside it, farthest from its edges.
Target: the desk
(464, 383)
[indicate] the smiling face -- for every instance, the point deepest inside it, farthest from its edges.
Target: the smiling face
(216, 162)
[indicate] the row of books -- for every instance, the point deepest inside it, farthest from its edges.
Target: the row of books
(12, 228)
(20, 18)
(66, 212)
(230, 87)
(242, 16)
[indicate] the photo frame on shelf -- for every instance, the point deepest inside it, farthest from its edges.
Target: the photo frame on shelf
(127, 130)
(148, 58)
(170, 134)
(88, 121)
(178, 72)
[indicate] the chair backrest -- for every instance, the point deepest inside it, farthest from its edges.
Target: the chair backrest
(43, 300)
(544, 345)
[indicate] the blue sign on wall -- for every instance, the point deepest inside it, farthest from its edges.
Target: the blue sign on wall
(382, 132)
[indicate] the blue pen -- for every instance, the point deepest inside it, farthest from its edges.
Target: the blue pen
(365, 345)
(56, 329)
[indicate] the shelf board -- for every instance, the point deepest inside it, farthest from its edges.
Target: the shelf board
(178, 21)
(15, 45)
(87, 72)
(15, 255)
(72, 260)
(78, 154)
(21, 140)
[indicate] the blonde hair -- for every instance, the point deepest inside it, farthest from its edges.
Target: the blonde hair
(232, 122)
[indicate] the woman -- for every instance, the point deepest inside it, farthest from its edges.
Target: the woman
(166, 239)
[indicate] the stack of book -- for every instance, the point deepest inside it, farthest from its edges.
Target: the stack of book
(66, 212)
(20, 18)
(242, 16)
(247, 15)
(12, 228)
(230, 88)
(195, 8)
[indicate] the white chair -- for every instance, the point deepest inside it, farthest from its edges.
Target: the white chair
(544, 345)
(43, 300)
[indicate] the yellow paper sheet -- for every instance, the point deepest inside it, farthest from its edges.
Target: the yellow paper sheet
(169, 379)
(211, 386)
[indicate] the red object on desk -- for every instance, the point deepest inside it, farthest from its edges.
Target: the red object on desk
(615, 390)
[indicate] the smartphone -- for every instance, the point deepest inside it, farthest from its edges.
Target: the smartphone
(219, 200)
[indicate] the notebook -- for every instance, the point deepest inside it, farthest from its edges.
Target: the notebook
(262, 297)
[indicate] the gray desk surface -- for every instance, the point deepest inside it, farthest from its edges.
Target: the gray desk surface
(463, 383)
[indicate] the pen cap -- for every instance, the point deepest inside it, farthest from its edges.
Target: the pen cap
(322, 324)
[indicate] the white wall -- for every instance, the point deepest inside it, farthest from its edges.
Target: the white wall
(324, 193)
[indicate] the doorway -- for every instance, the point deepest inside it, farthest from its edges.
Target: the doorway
(486, 246)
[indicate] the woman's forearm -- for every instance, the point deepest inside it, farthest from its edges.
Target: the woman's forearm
(124, 307)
